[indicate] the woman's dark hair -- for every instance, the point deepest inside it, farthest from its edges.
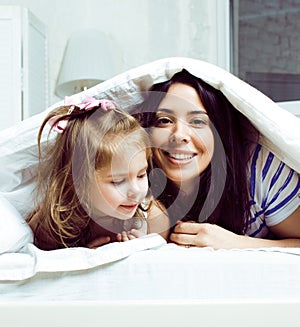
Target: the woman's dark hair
(236, 137)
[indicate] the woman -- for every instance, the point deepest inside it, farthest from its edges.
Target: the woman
(221, 188)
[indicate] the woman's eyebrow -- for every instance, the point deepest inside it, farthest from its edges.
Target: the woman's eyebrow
(197, 112)
(193, 112)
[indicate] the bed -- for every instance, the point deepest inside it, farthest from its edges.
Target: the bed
(145, 280)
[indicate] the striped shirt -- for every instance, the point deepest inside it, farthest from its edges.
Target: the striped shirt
(274, 192)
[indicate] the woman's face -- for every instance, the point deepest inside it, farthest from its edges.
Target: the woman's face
(181, 136)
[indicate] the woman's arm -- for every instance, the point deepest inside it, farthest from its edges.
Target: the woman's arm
(288, 231)
(158, 220)
(208, 235)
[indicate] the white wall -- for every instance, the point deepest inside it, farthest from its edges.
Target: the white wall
(142, 30)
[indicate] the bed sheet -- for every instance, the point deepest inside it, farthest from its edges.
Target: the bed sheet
(167, 272)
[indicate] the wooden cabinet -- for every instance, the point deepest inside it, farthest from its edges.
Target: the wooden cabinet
(23, 65)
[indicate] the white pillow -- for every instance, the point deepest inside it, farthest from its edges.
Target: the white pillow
(14, 231)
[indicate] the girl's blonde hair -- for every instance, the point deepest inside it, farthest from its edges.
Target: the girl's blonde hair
(68, 163)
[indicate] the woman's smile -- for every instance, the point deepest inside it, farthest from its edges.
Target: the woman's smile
(179, 158)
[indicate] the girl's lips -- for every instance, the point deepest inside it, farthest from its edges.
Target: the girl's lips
(129, 206)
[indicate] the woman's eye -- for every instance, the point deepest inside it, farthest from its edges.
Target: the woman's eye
(198, 122)
(163, 121)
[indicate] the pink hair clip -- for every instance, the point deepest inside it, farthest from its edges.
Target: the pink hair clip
(57, 126)
(89, 103)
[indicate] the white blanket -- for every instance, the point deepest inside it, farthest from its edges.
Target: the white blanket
(279, 128)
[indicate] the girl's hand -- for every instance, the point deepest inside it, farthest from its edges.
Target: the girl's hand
(207, 235)
(101, 240)
(130, 235)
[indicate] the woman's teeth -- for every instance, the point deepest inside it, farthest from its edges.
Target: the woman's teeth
(180, 156)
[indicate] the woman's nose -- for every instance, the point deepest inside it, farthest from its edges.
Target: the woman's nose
(180, 133)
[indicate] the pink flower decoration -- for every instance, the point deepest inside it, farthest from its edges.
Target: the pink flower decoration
(90, 103)
(87, 104)
(68, 101)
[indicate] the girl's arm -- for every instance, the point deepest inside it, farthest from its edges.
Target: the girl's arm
(157, 221)
(33, 219)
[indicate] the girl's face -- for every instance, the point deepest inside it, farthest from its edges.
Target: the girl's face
(123, 185)
(182, 138)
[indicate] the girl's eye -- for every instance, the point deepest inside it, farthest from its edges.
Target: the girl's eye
(118, 182)
(143, 175)
(162, 121)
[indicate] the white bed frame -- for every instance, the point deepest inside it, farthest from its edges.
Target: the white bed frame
(246, 314)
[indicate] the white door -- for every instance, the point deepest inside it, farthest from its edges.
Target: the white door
(23, 65)
(10, 66)
(35, 63)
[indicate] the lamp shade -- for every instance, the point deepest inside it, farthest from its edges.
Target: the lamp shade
(88, 60)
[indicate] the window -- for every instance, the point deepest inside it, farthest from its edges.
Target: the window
(266, 47)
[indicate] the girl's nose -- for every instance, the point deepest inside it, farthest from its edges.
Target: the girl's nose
(133, 191)
(181, 133)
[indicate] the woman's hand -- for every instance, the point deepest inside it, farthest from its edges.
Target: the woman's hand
(207, 235)
(130, 235)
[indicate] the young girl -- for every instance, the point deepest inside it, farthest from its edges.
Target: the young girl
(92, 184)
